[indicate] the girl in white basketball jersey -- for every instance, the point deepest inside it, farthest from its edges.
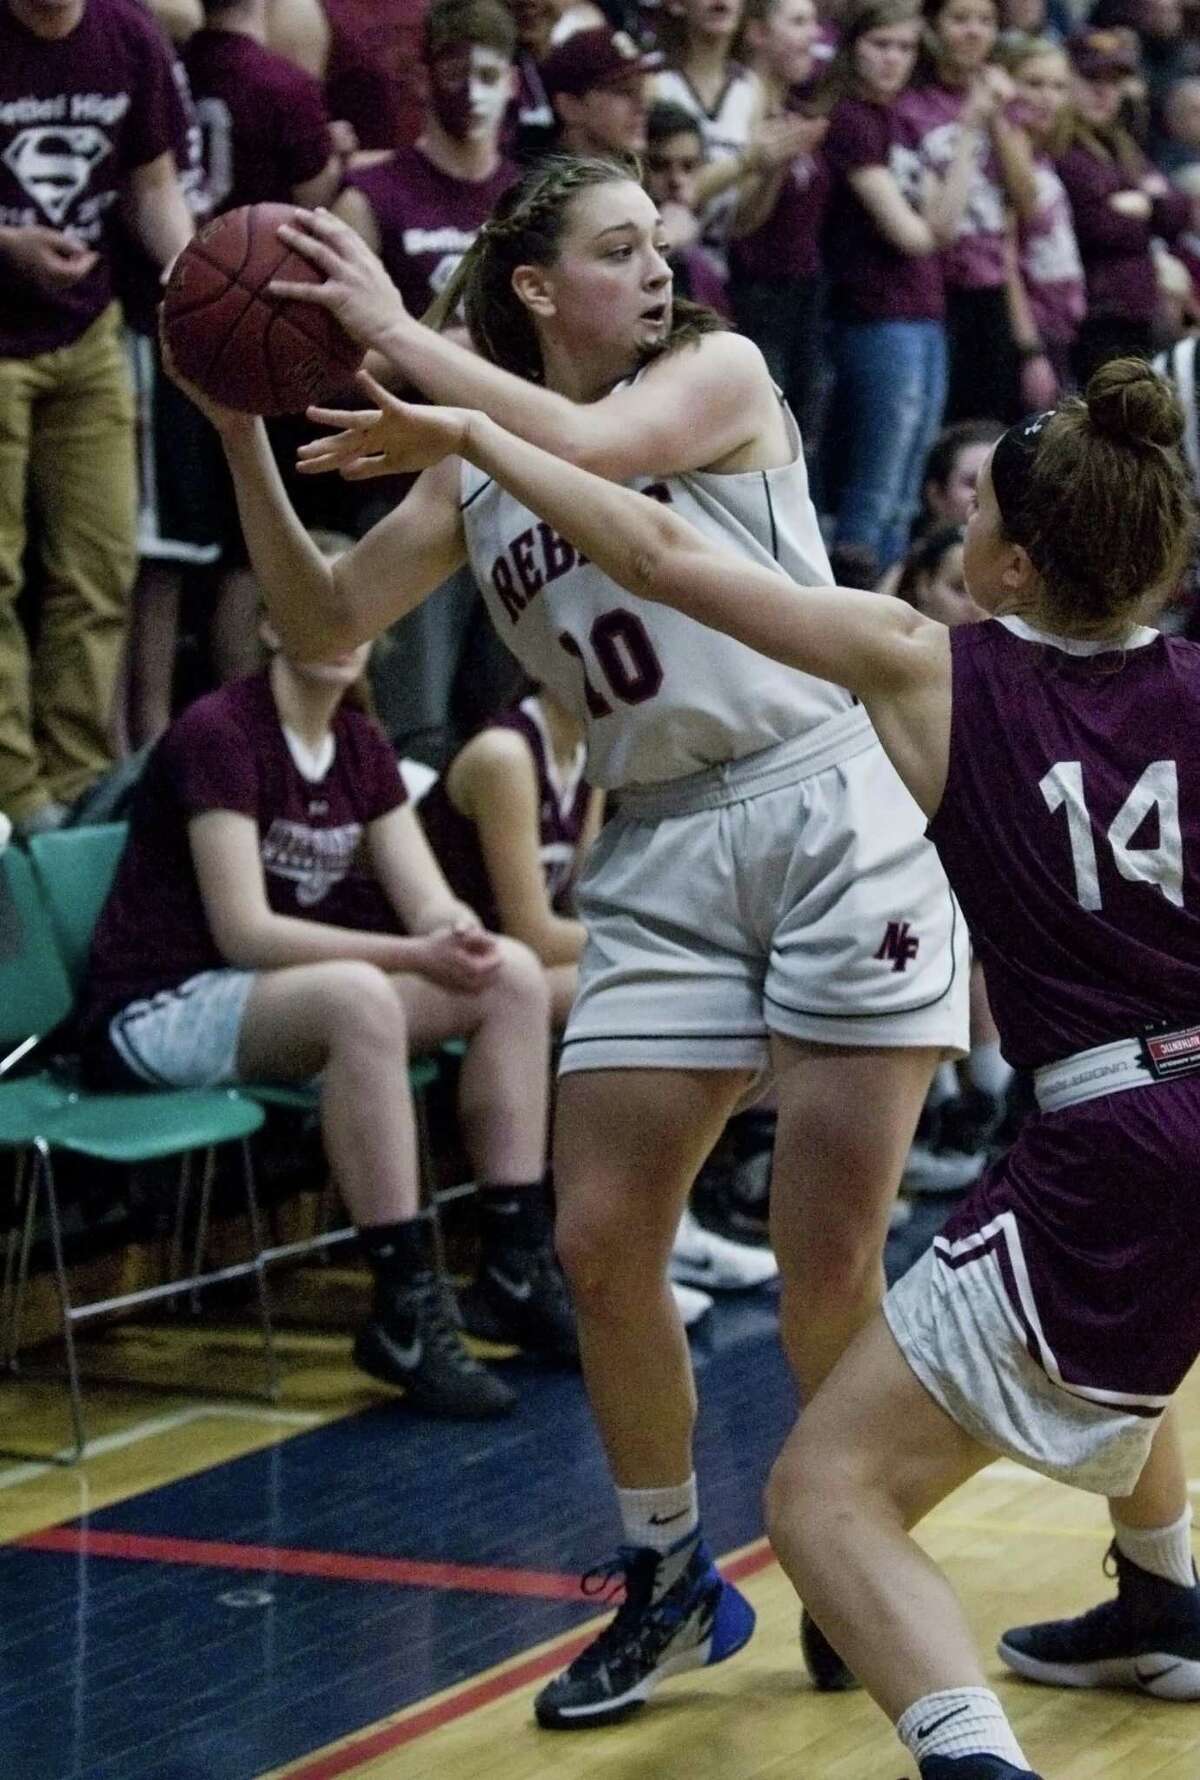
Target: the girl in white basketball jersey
(765, 895)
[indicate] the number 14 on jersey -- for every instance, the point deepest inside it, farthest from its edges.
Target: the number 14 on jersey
(1161, 865)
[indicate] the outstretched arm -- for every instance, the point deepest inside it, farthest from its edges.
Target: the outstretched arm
(863, 640)
(895, 660)
(708, 406)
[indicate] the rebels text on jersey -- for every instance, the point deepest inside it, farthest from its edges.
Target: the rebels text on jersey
(660, 696)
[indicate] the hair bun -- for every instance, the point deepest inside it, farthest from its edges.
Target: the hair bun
(1130, 402)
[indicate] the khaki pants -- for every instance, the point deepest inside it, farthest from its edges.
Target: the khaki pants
(67, 464)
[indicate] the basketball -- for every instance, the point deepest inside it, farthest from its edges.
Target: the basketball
(239, 344)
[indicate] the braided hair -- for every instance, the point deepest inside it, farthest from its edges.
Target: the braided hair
(527, 228)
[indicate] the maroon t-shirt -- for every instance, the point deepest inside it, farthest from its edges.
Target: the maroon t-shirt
(427, 219)
(264, 121)
(228, 752)
(872, 280)
(77, 116)
(1117, 258)
(788, 243)
(977, 258)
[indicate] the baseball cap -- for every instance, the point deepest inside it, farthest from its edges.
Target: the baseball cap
(594, 58)
(1097, 54)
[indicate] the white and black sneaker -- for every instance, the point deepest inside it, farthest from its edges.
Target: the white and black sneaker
(714, 1263)
(1148, 1639)
(415, 1342)
(679, 1613)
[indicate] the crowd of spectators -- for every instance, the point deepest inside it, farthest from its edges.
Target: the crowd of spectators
(922, 216)
(931, 217)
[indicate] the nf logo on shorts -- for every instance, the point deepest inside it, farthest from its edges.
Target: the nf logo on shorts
(898, 945)
(54, 163)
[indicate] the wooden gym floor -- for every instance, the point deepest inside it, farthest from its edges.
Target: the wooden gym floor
(327, 1587)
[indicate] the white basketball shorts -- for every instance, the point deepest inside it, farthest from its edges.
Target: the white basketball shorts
(956, 1329)
(777, 894)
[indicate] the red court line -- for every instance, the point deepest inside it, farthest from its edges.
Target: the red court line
(344, 1760)
(284, 1560)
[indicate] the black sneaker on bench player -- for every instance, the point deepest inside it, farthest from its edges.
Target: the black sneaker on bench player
(519, 1294)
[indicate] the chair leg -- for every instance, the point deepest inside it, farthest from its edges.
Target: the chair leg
(64, 1295)
(12, 1246)
(175, 1253)
(22, 1277)
(200, 1246)
(274, 1384)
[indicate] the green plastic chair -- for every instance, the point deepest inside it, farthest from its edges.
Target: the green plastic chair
(75, 868)
(43, 1114)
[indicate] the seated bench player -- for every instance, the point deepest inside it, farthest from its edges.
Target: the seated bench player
(277, 914)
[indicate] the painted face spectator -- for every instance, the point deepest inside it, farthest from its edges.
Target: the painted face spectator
(421, 208)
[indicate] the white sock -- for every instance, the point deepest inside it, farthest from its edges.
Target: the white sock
(660, 1518)
(988, 1070)
(959, 1721)
(1164, 1551)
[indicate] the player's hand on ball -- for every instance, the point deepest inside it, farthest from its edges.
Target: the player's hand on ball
(390, 439)
(226, 420)
(49, 258)
(356, 289)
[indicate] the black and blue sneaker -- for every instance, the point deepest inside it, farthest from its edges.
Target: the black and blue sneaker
(679, 1613)
(1148, 1638)
(972, 1767)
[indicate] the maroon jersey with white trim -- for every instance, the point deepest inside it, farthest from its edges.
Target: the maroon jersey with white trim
(1070, 831)
(562, 812)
